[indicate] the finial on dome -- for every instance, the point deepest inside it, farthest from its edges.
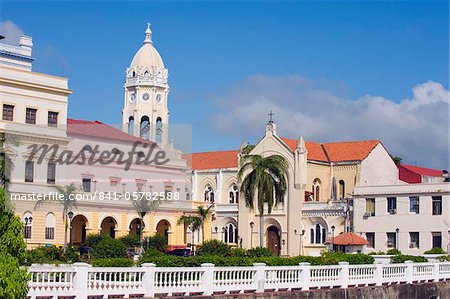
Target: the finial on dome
(148, 35)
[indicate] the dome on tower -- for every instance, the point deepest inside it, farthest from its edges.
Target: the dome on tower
(147, 57)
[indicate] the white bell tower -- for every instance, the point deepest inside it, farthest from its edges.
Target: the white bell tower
(145, 112)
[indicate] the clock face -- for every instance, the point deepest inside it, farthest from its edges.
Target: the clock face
(133, 97)
(145, 97)
(158, 98)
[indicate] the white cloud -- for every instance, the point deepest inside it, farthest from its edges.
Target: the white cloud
(415, 129)
(11, 32)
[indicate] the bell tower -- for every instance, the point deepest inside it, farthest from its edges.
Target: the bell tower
(145, 111)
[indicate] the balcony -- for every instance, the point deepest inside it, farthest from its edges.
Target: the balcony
(324, 208)
(227, 209)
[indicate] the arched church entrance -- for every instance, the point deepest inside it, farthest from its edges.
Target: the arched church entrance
(108, 227)
(162, 229)
(273, 240)
(79, 224)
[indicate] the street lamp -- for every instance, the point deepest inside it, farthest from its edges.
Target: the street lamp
(396, 238)
(70, 214)
(28, 221)
(332, 237)
(252, 225)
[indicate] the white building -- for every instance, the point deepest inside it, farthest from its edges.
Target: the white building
(412, 218)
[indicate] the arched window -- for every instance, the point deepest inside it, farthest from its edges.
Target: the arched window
(188, 193)
(316, 189)
(145, 128)
(159, 129)
(28, 221)
(233, 194)
(146, 73)
(318, 234)
(131, 125)
(50, 222)
(230, 233)
(341, 189)
(209, 194)
(134, 74)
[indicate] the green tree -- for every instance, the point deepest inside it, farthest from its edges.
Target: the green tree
(197, 222)
(13, 278)
(67, 202)
(142, 207)
(6, 164)
(263, 182)
(397, 160)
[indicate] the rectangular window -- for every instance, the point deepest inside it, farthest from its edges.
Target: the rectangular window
(371, 239)
(437, 239)
(8, 112)
(391, 240)
(413, 240)
(437, 205)
(30, 117)
(27, 232)
(392, 205)
(414, 204)
(52, 119)
(370, 206)
(49, 233)
(87, 185)
(51, 173)
(29, 171)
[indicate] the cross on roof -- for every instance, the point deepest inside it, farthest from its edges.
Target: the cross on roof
(271, 114)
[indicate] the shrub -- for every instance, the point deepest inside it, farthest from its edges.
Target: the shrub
(94, 239)
(238, 252)
(444, 258)
(130, 240)
(259, 252)
(393, 251)
(113, 262)
(110, 248)
(435, 250)
(157, 242)
(401, 258)
(151, 252)
(377, 253)
(72, 254)
(214, 247)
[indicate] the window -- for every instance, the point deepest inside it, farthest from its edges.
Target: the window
(52, 119)
(230, 233)
(234, 194)
(341, 189)
(317, 234)
(316, 189)
(392, 205)
(371, 239)
(28, 221)
(8, 112)
(437, 239)
(145, 128)
(159, 129)
(437, 205)
(87, 185)
(51, 173)
(391, 240)
(414, 204)
(29, 171)
(209, 194)
(131, 125)
(370, 206)
(50, 226)
(30, 117)
(413, 240)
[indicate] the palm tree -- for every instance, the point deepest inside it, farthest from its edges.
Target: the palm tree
(142, 207)
(68, 204)
(203, 214)
(194, 222)
(265, 182)
(197, 221)
(6, 164)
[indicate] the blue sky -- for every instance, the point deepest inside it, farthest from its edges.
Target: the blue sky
(286, 55)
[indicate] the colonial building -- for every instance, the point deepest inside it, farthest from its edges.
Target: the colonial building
(321, 177)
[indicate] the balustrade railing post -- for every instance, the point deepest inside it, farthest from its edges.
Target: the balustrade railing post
(260, 277)
(344, 274)
(378, 274)
(305, 278)
(409, 271)
(148, 279)
(436, 274)
(80, 280)
(208, 278)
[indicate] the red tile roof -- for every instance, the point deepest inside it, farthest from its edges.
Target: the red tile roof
(212, 160)
(315, 150)
(422, 170)
(98, 129)
(347, 239)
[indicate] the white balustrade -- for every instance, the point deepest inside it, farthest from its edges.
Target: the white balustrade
(80, 280)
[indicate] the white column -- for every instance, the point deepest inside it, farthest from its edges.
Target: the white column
(208, 278)
(305, 279)
(148, 279)
(436, 271)
(378, 274)
(409, 271)
(80, 280)
(344, 275)
(259, 277)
